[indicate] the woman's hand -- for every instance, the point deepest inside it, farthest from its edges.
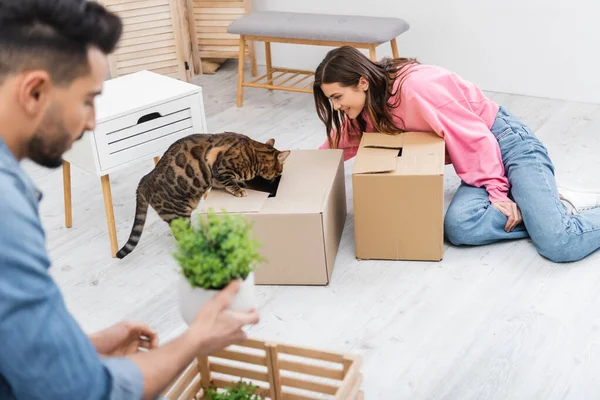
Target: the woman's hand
(512, 212)
(123, 339)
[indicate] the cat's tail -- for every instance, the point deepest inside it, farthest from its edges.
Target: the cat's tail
(141, 210)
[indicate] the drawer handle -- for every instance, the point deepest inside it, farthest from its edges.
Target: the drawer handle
(149, 117)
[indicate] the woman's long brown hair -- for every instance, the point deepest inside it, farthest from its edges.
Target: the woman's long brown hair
(345, 66)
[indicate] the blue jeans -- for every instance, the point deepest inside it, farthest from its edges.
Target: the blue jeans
(472, 220)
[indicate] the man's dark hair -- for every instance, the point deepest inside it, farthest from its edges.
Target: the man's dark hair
(54, 35)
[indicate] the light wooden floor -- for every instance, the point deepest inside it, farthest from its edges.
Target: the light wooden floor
(494, 322)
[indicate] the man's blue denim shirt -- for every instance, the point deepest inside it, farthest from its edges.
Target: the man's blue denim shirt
(44, 354)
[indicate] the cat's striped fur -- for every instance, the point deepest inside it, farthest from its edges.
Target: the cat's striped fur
(192, 166)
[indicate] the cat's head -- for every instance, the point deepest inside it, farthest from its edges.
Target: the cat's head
(272, 161)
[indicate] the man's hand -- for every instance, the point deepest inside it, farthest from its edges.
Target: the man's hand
(216, 327)
(123, 339)
(512, 212)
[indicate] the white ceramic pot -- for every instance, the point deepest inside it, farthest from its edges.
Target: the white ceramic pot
(192, 299)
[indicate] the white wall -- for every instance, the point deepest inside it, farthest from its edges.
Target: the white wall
(546, 48)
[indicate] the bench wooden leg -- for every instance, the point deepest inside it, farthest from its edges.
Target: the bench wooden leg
(269, 65)
(372, 53)
(394, 48)
(110, 216)
(240, 91)
(66, 167)
(252, 55)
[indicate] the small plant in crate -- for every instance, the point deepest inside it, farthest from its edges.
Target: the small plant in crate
(240, 391)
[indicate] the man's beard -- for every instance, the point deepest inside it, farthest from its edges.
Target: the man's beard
(47, 155)
(49, 143)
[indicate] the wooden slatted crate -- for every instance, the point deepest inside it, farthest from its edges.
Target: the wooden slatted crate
(153, 38)
(280, 372)
(208, 21)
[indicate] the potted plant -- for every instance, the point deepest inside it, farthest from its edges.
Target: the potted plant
(240, 391)
(211, 254)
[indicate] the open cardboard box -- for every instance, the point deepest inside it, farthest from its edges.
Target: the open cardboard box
(398, 190)
(299, 218)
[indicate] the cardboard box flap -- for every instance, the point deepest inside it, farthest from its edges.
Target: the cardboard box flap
(424, 153)
(219, 200)
(306, 182)
(378, 153)
(375, 160)
(383, 141)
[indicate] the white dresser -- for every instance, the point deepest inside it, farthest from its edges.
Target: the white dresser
(138, 117)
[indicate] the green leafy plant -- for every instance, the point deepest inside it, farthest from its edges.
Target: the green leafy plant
(240, 391)
(216, 251)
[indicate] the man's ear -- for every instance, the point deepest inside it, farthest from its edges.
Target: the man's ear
(33, 92)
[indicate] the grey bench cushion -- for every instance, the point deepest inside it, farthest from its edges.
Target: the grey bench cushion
(339, 28)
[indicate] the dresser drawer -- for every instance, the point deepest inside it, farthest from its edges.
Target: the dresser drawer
(152, 147)
(144, 132)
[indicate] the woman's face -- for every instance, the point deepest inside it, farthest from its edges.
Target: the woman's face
(349, 99)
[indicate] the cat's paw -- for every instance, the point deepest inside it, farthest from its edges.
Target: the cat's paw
(237, 192)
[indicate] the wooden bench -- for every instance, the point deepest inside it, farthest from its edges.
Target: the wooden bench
(308, 29)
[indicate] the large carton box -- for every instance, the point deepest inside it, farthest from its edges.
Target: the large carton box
(398, 190)
(299, 220)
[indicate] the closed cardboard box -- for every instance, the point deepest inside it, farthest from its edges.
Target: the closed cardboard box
(398, 190)
(299, 219)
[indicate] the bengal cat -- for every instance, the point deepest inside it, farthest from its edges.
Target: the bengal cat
(193, 165)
